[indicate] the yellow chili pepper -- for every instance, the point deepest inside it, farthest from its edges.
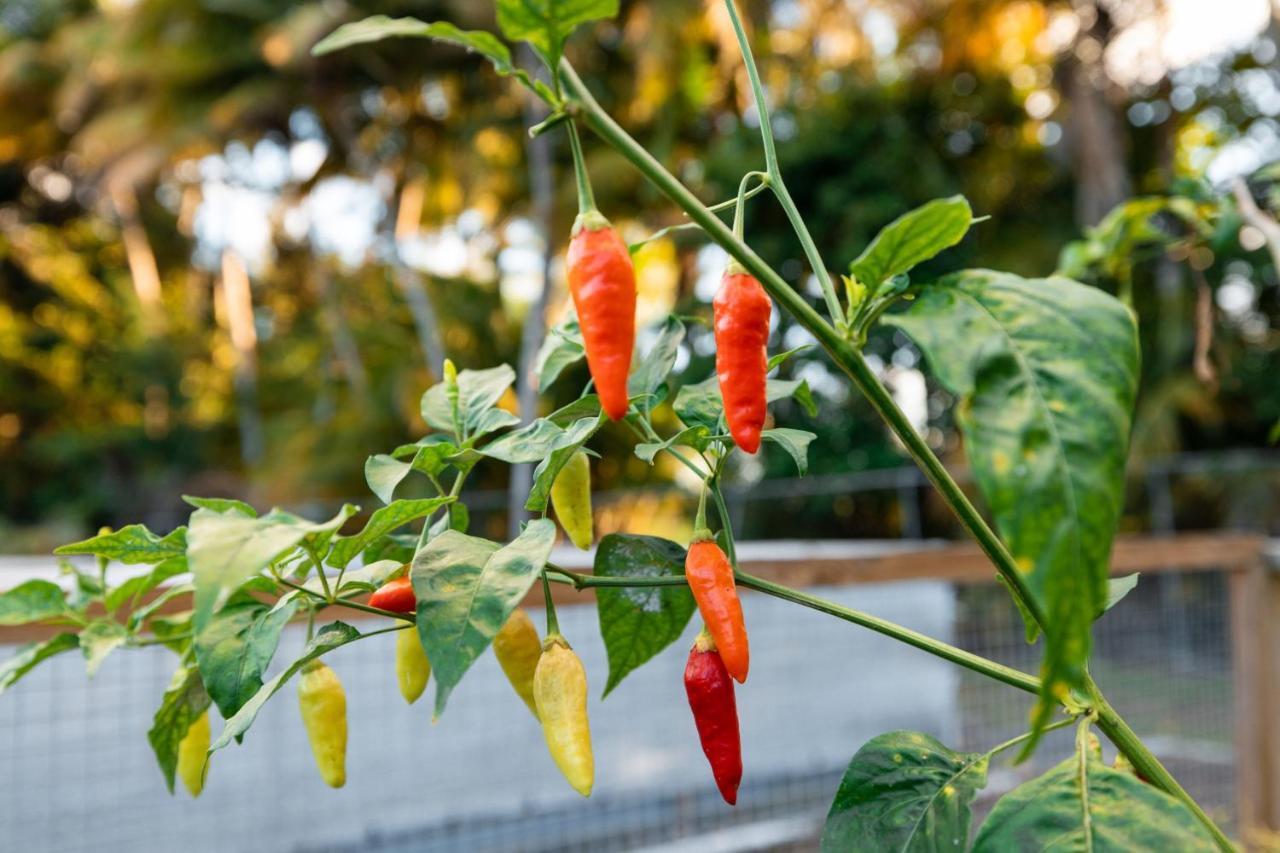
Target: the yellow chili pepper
(571, 497)
(412, 667)
(193, 749)
(518, 649)
(560, 691)
(324, 712)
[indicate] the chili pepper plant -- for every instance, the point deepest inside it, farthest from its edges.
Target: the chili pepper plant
(1045, 373)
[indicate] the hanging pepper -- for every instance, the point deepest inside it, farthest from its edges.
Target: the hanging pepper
(571, 497)
(396, 596)
(560, 693)
(518, 649)
(602, 280)
(710, 578)
(193, 752)
(412, 667)
(324, 712)
(715, 713)
(742, 310)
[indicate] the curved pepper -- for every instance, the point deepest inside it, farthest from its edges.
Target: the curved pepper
(518, 649)
(602, 280)
(571, 497)
(742, 310)
(560, 693)
(396, 596)
(324, 712)
(193, 753)
(710, 578)
(710, 691)
(413, 669)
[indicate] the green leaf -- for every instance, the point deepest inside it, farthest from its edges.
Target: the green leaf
(1046, 371)
(651, 371)
(32, 601)
(546, 24)
(561, 348)
(701, 403)
(131, 545)
(795, 442)
(779, 358)
(796, 389)
(369, 577)
(379, 27)
(182, 705)
(694, 436)
(639, 622)
(98, 640)
(226, 549)
(478, 391)
(31, 655)
(399, 547)
(140, 616)
(466, 588)
(327, 639)
(141, 585)
(531, 443)
(221, 505)
(234, 648)
(1084, 805)
(587, 406)
(905, 791)
(1118, 588)
(913, 238)
(383, 473)
(382, 522)
(578, 434)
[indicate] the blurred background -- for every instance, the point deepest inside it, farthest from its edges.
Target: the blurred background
(229, 268)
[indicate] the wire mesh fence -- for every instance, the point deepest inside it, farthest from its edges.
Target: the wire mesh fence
(80, 771)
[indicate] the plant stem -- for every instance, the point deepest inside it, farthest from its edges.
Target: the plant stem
(553, 623)
(1146, 763)
(725, 522)
(775, 173)
(1014, 741)
(851, 362)
(353, 605)
(324, 581)
(586, 200)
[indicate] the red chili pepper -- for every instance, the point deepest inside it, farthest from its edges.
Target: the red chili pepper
(396, 596)
(716, 714)
(742, 310)
(602, 280)
(710, 578)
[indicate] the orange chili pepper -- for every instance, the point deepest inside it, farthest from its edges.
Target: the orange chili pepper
(710, 578)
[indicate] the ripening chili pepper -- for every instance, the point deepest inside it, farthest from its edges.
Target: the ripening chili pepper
(518, 649)
(742, 310)
(710, 578)
(571, 497)
(602, 280)
(412, 667)
(396, 596)
(715, 713)
(193, 752)
(324, 712)
(560, 693)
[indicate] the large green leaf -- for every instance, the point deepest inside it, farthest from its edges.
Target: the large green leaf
(135, 587)
(639, 622)
(466, 588)
(531, 443)
(226, 549)
(478, 392)
(795, 442)
(182, 705)
(913, 238)
(379, 27)
(382, 522)
(133, 544)
(1082, 804)
(98, 640)
(234, 648)
(650, 370)
(561, 348)
(1046, 371)
(546, 24)
(32, 601)
(575, 436)
(29, 656)
(327, 639)
(905, 791)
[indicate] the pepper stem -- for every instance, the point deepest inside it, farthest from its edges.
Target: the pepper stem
(700, 530)
(704, 642)
(553, 624)
(586, 200)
